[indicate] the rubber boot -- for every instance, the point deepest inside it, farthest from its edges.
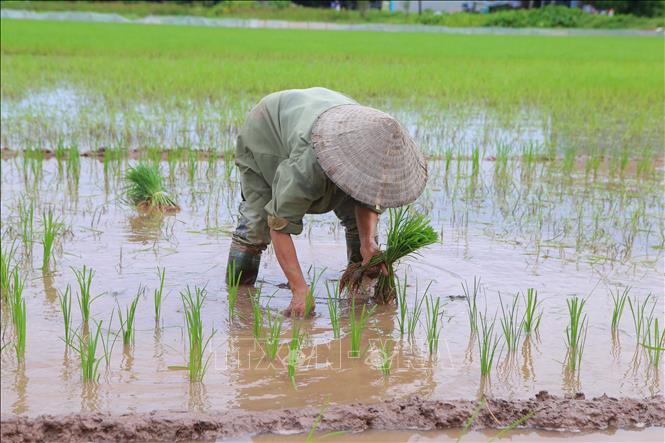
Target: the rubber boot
(247, 260)
(353, 249)
(353, 254)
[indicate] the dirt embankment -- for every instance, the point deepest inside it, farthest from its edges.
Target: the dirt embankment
(549, 412)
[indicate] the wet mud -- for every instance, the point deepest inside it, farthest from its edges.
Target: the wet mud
(544, 411)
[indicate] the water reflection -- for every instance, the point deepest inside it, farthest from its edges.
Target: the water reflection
(21, 403)
(49, 290)
(325, 368)
(527, 360)
(145, 227)
(90, 399)
(197, 397)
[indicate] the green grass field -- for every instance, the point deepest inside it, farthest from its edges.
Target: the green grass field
(585, 83)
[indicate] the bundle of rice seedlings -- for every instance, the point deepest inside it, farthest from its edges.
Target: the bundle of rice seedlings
(408, 232)
(145, 189)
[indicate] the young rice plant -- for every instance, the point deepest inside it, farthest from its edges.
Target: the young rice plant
(193, 304)
(575, 332)
(146, 190)
(158, 294)
(333, 307)
(127, 322)
(434, 312)
(357, 325)
(84, 296)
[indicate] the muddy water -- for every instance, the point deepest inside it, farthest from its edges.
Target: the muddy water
(124, 248)
(646, 436)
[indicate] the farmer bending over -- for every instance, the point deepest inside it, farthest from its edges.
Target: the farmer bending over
(311, 151)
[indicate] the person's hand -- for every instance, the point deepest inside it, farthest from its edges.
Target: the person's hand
(298, 303)
(369, 250)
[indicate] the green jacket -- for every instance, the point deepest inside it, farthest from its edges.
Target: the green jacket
(280, 176)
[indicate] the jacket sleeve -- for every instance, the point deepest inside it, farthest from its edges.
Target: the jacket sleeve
(299, 181)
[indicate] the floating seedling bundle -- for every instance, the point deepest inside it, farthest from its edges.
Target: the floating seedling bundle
(408, 232)
(146, 190)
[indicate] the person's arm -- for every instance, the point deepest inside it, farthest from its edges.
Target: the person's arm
(297, 183)
(288, 261)
(367, 221)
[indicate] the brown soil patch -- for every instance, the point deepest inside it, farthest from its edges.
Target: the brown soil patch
(549, 412)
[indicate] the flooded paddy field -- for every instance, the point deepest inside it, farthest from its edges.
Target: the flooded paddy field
(546, 195)
(502, 230)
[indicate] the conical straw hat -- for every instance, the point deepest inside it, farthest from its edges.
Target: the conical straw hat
(369, 156)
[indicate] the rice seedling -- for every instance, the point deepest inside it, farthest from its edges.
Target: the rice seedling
(153, 154)
(127, 322)
(257, 313)
(59, 153)
(172, 157)
(52, 229)
(192, 161)
(274, 332)
(333, 307)
(502, 155)
(18, 314)
(6, 269)
(232, 287)
(575, 332)
(386, 356)
(158, 294)
(413, 317)
(530, 153)
(357, 325)
(645, 164)
(448, 157)
(315, 425)
(470, 421)
(654, 343)
(533, 314)
(87, 351)
(73, 169)
(309, 298)
(511, 325)
(619, 303)
(568, 163)
(519, 422)
(638, 311)
(26, 215)
(198, 343)
(471, 297)
(624, 160)
(3, 342)
(84, 296)
(146, 190)
(295, 346)
(592, 164)
(211, 166)
(108, 341)
(475, 161)
(401, 304)
(229, 163)
(434, 312)
(408, 232)
(66, 309)
(487, 344)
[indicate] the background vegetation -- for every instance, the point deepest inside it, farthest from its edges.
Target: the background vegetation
(648, 15)
(593, 91)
